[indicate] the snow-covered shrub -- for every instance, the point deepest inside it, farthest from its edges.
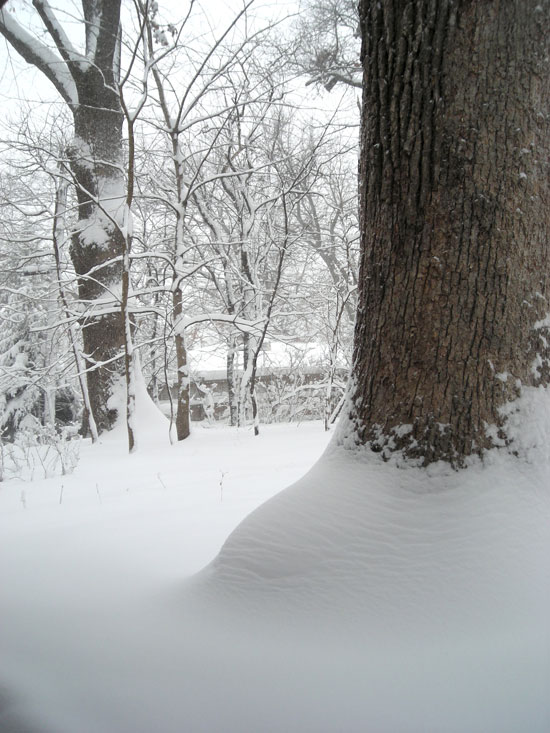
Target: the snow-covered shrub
(39, 451)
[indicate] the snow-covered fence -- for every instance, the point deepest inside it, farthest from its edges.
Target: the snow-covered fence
(284, 394)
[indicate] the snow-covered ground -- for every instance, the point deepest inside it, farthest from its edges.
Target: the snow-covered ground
(364, 598)
(84, 557)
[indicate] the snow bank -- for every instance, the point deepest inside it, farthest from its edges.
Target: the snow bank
(423, 597)
(365, 597)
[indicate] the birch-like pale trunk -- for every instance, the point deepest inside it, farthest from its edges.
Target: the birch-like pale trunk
(232, 381)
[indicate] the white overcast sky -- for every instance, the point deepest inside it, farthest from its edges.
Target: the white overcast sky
(24, 88)
(18, 81)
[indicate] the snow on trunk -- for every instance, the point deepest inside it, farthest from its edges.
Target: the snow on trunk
(88, 84)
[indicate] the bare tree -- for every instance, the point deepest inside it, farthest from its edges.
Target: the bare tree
(35, 358)
(193, 117)
(326, 46)
(87, 82)
(248, 208)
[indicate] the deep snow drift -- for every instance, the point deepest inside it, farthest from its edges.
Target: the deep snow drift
(366, 597)
(430, 598)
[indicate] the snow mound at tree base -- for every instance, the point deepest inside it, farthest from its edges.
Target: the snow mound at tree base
(149, 424)
(393, 587)
(361, 536)
(363, 599)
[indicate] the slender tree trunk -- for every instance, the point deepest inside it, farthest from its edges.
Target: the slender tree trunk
(250, 312)
(154, 356)
(328, 395)
(245, 377)
(183, 425)
(455, 221)
(253, 396)
(49, 405)
(232, 381)
(183, 401)
(129, 355)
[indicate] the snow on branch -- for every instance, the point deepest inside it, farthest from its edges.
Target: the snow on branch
(55, 29)
(242, 324)
(37, 54)
(93, 20)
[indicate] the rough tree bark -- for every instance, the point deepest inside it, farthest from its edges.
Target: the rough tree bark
(58, 236)
(183, 426)
(87, 83)
(455, 219)
(97, 165)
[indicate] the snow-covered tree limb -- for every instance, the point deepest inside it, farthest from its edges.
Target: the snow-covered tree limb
(38, 54)
(67, 51)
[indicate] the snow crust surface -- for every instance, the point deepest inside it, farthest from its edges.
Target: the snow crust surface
(365, 597)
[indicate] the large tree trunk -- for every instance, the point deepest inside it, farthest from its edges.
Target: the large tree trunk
(455, 220)
(97, 243)
(88, 83)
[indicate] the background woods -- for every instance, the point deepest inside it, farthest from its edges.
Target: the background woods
(181, 208)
